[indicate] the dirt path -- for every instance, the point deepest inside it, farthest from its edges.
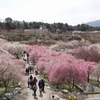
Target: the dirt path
(29, 92)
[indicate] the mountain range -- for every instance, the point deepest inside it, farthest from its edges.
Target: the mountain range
(95, 23)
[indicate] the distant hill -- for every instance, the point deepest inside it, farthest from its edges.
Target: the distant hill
(95, 23)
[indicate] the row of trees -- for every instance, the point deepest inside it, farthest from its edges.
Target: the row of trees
(60, 67)
(10, 24)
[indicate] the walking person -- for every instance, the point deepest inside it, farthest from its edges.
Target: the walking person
(27, 69)
(31, 81)
(30, 69)
(28, 82)
(40, 88)
(36, 72)
(34, 91)
(34, 87)
(26, 56)
(41, 85)
(34, 80)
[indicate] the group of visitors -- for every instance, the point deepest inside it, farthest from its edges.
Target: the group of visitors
(28, 65)
(28, 69)
(32, 84)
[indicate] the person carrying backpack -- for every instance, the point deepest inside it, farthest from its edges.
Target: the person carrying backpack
(41, 85)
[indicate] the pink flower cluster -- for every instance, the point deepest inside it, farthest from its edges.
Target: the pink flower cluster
(10, 68)
(60, 67)
(90, 53)
(35, 51)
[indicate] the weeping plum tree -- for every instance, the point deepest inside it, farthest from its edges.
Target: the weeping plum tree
(90, 53)
(15, 49)
(35, 51)
(9, 72)
(61, 67)
(75, 72)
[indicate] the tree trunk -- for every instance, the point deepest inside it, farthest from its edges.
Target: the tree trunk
(97, 78)
(6, 86)
(13, 84)
(57, 86)
(88, 78)
(69, 85)
(44, 75)
(73, 83)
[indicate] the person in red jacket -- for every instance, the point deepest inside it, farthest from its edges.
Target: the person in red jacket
(34, 86)
(34, 81)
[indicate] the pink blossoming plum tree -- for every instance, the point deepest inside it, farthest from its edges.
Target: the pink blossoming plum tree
(35, 52)
(61, 67)
(90, 53)
(15, 49)
(9, 71)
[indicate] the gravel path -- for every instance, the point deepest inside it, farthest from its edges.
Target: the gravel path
(29, 92)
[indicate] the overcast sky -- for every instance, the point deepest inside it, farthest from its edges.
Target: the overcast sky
(72, 12)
